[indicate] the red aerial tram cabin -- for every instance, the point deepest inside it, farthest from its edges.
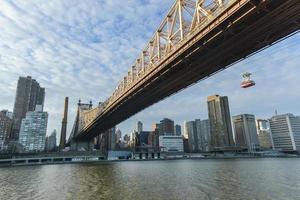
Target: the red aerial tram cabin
(247, 82)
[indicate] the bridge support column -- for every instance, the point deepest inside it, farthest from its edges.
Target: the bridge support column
(82, 145)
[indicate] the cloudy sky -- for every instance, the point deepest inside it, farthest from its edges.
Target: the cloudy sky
(82, 48)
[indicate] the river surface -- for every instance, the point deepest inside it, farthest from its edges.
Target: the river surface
(179, 179)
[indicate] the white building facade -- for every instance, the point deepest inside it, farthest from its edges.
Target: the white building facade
(285, 132)
(33, 130)
(169, 143)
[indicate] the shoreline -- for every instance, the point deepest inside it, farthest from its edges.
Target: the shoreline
(26, 161)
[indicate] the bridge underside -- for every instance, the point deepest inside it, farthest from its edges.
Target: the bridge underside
(247, 30)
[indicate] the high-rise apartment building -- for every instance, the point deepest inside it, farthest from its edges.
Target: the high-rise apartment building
(190, 133)
(167, 127)
(33, 130)
(198, 134)
(245, 131)
(5, 127)
(285, 132)
(204, 135)
(28, 95)
(220, 121)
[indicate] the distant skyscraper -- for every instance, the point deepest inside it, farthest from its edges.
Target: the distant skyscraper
(285, 132)
(51, 142)
(190, 133)
(28, 95)
(245, 131)
(204, 135)
(5, 127)
(220, 121)
(33, 130)
(177, 130)
(198, 135)
(133, 139)
(111, 135)
(167, 127)
(118, 135)
(139, 126)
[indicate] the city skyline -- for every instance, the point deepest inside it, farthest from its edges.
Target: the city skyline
(276, 67)
(148, 99)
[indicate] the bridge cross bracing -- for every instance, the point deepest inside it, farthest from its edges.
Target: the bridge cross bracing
(184, 17)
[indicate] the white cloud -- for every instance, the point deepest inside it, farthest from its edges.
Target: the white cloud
(73, 48)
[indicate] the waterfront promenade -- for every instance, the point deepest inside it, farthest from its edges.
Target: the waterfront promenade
(85, 157)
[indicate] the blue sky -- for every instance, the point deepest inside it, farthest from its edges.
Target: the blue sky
(82, 48)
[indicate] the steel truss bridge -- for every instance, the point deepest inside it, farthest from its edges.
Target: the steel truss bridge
(195, 40)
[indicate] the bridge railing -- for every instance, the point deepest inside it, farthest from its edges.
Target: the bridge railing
(185, 18)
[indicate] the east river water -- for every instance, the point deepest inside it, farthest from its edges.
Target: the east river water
(264, 179)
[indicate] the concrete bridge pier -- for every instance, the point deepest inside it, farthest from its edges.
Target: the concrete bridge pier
(82, 145)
